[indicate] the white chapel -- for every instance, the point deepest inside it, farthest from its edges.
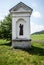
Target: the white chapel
(21, 14)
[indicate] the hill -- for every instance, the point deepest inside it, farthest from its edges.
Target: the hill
(38, 35)
(40, 32)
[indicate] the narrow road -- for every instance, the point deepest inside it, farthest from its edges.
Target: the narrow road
(39, 41)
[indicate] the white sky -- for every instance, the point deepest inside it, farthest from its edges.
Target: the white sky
(37, 18)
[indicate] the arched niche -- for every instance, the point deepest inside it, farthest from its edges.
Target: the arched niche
(20, 28)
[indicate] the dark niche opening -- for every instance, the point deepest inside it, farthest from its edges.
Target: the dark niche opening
(21, 29)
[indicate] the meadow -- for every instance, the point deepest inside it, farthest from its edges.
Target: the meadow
(31, 56)
(37, 37)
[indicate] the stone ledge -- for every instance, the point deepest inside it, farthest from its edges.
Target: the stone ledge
(21, 43)
(21, 40)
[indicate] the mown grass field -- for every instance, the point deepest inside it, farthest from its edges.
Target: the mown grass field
(37, 37)
(32, 56)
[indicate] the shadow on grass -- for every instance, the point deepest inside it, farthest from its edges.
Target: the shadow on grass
(33, 50)
(36, 51)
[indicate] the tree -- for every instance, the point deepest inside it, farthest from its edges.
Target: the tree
(6, 27)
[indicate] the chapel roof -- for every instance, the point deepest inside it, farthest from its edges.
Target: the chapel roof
(21, 4)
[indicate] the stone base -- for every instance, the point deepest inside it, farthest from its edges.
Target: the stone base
(21, 43)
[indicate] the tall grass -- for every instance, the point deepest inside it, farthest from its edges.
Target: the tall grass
(31, 56)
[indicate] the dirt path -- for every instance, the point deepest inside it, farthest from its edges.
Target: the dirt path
(39, 41)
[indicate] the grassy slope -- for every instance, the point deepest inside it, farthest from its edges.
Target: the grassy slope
(38, 37)
(10, 56)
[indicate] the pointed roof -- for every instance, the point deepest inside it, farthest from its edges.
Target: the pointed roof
(21, 4)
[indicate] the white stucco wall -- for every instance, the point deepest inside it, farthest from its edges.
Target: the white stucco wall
(16, 20)
(21, 16)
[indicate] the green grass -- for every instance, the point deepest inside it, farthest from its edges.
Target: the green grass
(37, 37)
(4, 41)
(10, 56)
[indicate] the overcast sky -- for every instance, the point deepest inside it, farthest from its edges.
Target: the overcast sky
(37, 18)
